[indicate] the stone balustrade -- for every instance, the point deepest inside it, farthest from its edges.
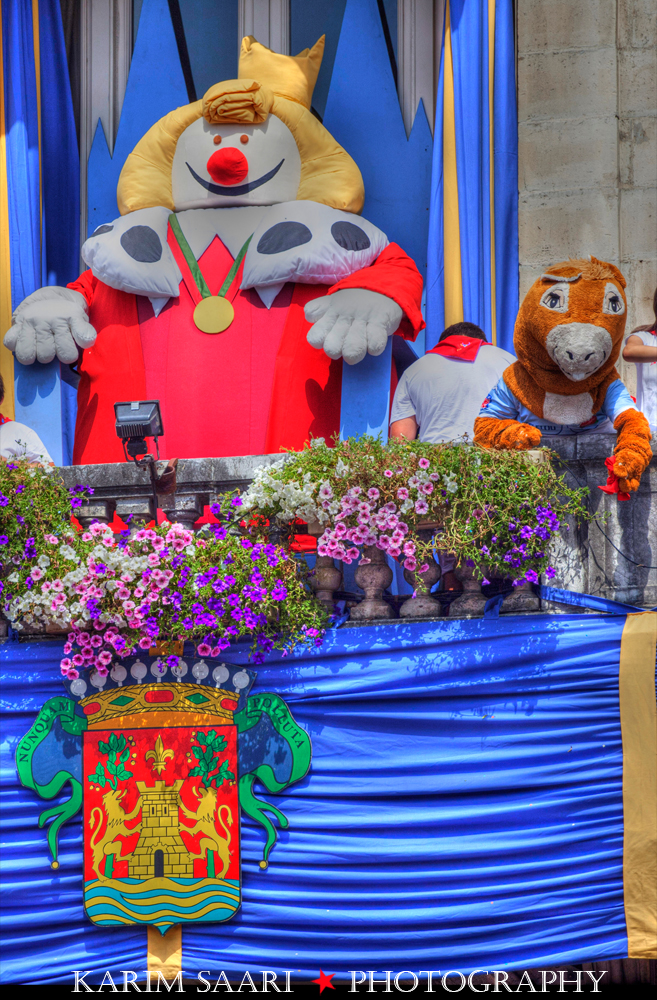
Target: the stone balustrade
(616, 560)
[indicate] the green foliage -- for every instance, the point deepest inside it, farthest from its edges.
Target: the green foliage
(118, 753)
(494, 509)
(210, 745)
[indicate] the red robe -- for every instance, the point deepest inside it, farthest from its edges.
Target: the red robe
(253, 389)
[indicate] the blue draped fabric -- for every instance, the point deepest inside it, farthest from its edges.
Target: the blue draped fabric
(488, 240)
(505, 162)
(43, 189)
(463, 811)
(469, 24)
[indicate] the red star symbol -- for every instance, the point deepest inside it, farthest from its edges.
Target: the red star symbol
(324, 981)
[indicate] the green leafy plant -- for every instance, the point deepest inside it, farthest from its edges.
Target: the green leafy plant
(117, 593)
(496, 510)
(210, 745)
(118, 752)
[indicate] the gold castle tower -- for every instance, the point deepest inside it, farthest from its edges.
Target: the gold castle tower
(160, 851)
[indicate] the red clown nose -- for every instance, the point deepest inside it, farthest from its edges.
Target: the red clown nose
(228, 166)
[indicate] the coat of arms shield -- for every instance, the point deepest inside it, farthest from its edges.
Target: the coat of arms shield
(162, 773)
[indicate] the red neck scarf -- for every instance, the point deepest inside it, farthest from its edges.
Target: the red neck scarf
(462, 348)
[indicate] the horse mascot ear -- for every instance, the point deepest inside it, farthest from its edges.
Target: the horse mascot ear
(273, 750)
(567, 338)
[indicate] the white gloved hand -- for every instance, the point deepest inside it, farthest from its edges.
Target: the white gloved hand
(352, 322)
(50, 322)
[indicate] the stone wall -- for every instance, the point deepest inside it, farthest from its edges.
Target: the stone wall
(587, 141)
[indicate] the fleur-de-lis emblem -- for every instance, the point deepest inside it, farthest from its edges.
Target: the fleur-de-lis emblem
(159, 755)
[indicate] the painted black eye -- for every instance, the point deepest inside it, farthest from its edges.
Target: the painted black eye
(553, 301)
(615, 304)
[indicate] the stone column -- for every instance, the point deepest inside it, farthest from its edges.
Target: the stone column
(471, 601)
(373, 578)
(587, 141)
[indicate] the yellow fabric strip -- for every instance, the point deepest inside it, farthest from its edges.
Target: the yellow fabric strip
(451, 227)
(6, 357)
(164, 951)
(491, 133)
(37, 72)
(638, 712)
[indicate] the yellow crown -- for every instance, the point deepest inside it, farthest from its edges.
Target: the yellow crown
(293, 77)
(160, 704)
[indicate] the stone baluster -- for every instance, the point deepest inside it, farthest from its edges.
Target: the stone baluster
(279, 533)
(326, 578)
(471, 602)
(95, 510)
(373, 578)
(521, 599)
(184, 509)
(138, 509)
(422, 604)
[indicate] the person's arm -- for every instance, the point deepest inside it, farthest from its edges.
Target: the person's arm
(403, 415)
(407, 428)
(635, 350)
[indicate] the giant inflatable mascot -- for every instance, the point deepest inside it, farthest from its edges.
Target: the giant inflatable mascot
(567, 339)
(238, 231)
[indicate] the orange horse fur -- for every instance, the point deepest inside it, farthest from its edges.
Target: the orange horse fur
(535, 373)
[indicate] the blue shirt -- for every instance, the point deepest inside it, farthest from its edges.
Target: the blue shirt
(504, 405)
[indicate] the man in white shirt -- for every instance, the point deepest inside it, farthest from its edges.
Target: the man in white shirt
(440, 396)
(20, 441)
(641, 348)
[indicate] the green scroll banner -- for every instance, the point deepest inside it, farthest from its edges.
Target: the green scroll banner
(300, 746)
(61, 708)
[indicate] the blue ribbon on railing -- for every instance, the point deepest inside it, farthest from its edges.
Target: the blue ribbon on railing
(603, 604)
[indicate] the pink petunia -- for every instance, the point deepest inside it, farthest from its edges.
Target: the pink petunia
(402, 493)
(421, 507)
(78, 660)
(387, 473)
(203, 649)
(104, 658)
(410, 564)
(424, 463)
(65, 664)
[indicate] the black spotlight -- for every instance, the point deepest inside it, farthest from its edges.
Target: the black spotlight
(135, 422)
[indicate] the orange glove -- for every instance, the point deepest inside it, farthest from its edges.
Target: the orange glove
(632, 453)
(503, 435)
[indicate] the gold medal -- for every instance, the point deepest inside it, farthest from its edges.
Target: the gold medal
(214, 314)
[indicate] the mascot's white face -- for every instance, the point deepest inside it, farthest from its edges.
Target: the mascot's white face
(228, 165)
